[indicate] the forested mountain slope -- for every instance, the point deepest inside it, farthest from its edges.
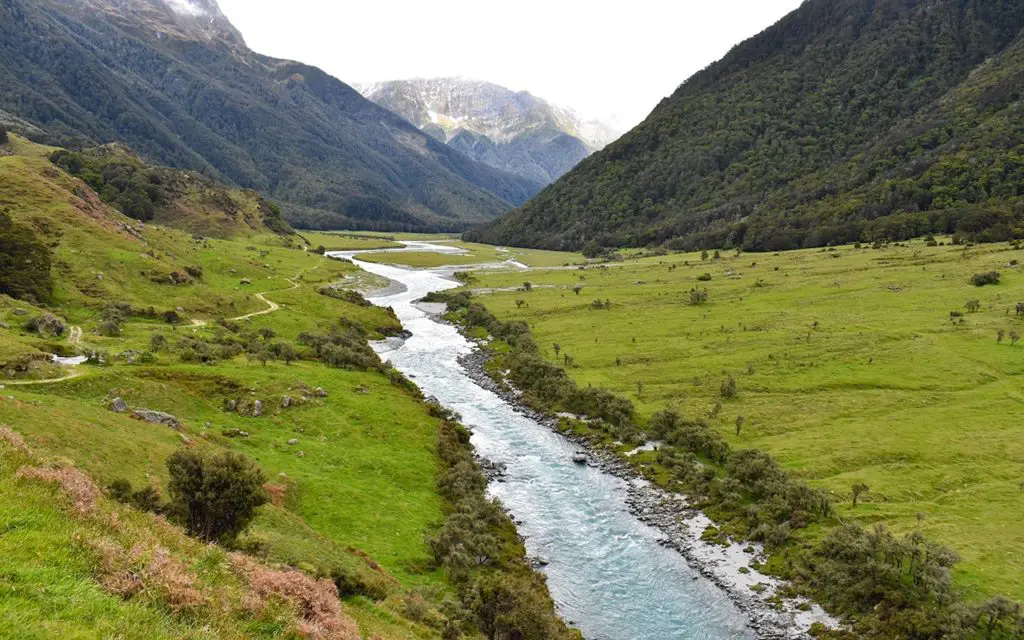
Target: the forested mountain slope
(847, 120)
(176, 82)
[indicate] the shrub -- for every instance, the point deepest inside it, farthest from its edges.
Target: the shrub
(24, 263)
(47, 324)
(698, 296)
(728, 389)
(704, 277)
(982, 279)
(216, 497)
(3, 134)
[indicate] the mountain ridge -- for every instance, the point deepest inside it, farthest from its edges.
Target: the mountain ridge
(186, 92)
(834, 125)
(513, 131)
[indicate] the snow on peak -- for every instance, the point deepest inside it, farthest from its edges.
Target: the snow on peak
(188, 8)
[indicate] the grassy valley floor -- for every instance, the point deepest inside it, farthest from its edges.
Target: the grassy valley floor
(849, 368)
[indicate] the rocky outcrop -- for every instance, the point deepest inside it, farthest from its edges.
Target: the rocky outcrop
(157, 417)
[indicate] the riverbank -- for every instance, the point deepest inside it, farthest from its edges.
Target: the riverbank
(730, 567)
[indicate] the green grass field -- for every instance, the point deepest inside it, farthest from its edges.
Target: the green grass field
(476, 254)
(848, 367)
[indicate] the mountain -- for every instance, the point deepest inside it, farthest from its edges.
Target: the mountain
(848, 120)
(509, 130)
(175, 81)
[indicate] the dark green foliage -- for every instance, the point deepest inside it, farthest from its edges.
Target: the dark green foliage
(344, 346)
(846, 121)
(348, 295)
(145, 499)
(982, 279)
(216, 497)
(24, 263)
(198, 99)
(47, 324)
(3, 134)
(478, 547)
(129, 186)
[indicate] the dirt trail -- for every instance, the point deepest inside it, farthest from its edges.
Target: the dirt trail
(29, 383)
(262, 297)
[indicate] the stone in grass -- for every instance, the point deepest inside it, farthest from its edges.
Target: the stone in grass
(286, 401)
(293, 441)
(117, 405)
(157, 417)
(320, 392)
(301, 454)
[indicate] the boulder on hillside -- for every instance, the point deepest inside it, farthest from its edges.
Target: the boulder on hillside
(117, 405)
(157, 417)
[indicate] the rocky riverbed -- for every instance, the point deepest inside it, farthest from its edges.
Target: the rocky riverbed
(681, 527)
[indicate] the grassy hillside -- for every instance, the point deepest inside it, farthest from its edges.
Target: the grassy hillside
(850, 367)
(246, 345)
(184, 91)
(846, 121)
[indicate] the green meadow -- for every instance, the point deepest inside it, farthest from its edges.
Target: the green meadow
(474, 254)
(852, 365)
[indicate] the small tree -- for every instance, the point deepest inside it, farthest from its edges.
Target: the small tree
(740, 420)
(1000, 335)
(704, 254)
(216, 497)
(728, 389)
(558, 349)
(3, 134)
(1014, 338)
(858, 489)
(157, 342)
(973, 306)
(527, 286)
(519, 303)
(577, 289)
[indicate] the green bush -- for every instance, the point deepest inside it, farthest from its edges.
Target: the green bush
(24, 263)
(982, 279)
(214, 497)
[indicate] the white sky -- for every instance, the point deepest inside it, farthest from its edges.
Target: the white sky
(609, 60)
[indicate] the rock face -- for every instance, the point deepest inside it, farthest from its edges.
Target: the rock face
(117, 405)
(508, 130)
(157, 417)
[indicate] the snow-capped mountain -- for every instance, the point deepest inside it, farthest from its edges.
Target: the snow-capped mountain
(509, 130)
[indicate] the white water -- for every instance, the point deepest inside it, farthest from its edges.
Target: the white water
(606, 571)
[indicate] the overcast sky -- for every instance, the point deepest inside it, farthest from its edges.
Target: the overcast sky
(609, 60)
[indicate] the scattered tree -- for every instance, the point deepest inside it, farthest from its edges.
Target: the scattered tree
(1014, 338)
(527, 286)
(577, 289)
(982, 279)
(558, 349)
(157, 342)
(704, 254)
(519, 303)
(858, 489)
(728, 389)
(1000, 335)
(698, 296)
(216, 497)
(973, 306)
(3, 134)
(740, 421)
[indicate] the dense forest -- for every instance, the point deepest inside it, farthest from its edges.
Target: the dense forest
(849, 120)
(188, 93)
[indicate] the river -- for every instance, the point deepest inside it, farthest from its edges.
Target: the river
(606, 570)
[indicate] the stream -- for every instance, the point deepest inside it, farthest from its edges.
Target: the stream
(606, 570)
